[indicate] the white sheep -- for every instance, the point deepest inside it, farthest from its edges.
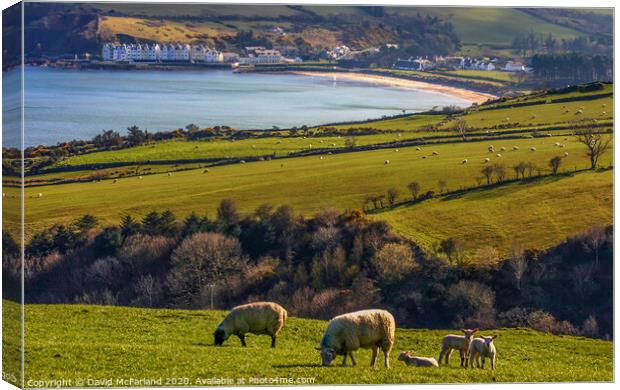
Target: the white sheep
(565, 154)
(139, 177)
(435, 153)
(486, 160)
(499, 155)
(115, 181)
(320, 158)
(480, 348)
(386, 162)
(502, 148)
(242, 161)
(40, 195)
(169, 174)
(459, 342)
(533, 149)
(418, 149)
(258, 318)
(515, 148)
(205, 171)
(464, 161)
(369, 329)
(417, 361)
(396, 150)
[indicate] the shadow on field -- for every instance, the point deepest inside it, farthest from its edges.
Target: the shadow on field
(297, 365)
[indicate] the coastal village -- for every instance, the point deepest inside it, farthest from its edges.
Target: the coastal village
(258, 55)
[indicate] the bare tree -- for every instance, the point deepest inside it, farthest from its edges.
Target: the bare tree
(487, 171)
(554, 164)
(460, 127)
(500, 172)
(595, 143)
(392, 195)
(594, 239)
(518, 264)
(442, 185)
(520, 169)
(414, 188)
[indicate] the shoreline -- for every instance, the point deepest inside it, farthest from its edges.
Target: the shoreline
(465, 94)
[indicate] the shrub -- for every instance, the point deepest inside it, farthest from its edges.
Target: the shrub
(143, 253)
(471, 303)
(393, 262)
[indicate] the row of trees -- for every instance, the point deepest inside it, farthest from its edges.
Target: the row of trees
(572, 68)
(532, 44)
(316, 267)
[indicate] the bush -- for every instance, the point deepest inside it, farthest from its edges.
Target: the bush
(393, 262)
(472, 304)
(143, 253)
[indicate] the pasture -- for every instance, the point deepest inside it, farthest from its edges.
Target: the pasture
(307, 183)
(100, 342)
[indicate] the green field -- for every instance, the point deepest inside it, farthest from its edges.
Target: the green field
(307, 183)
(100, 342)
(554, 208)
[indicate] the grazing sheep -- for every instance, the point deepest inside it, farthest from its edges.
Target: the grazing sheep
(386, 162)
(40, 195)
(482, 347)
(565, 154)
(333, 144)
(417, 361)
(257, 318)
(486, 160)
(498, 155)
(557, 144)
(502, 148)
(169, 173)
(320, 158)
(205, 171)
(464, 161)
(454, 341)
(278, 143)
(369, 329)
(515, 148)
(139, 177)
(329, 152)
(533, 149)
(396, 150)
(423, 156)
(418, 149)
(115, 181)
(435, 153)
(561, 145)
(242, 161)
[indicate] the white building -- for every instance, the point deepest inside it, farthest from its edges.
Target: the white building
(107, 52)
(268, 57)
(514, 67)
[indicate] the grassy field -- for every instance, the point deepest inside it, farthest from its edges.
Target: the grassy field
(553, 208)
(99, 342)
(308, 183)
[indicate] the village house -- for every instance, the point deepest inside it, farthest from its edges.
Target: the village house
(413, 64)
(512, 66)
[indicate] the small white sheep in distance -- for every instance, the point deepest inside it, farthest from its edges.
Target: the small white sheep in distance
(386, 162)
(502, 148)
(480, 348)
(515, 148)
(435, 153)
(370, 329)
(115, 181)
(459, 342)
(242, 161)
(139, 177)
(169, 173)
(533, 149)
(464, 161)
(486, 160)
(40, 195)
(417, 361)
(258, 318)
(320, 158)
(499, 155)
(205, 171)
(396, 150)
(418, 149)
(565, 154)
(423, 156)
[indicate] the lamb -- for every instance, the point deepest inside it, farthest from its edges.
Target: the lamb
(453, 341)
(482, 347)
(257, 318)
(464, 161)
(417, 361)
(369, 329)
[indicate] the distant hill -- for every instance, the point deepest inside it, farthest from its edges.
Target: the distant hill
(57, 29)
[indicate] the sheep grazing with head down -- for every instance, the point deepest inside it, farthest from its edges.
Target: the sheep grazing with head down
(369, 329)
(257, 318)
(417, 361)
(459, 342)
(386, 162)
(464, 161)
(482, 347)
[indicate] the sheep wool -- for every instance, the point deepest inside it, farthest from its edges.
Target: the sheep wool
(480, 348)
(369, 329)
(417, 361)
(258, 318)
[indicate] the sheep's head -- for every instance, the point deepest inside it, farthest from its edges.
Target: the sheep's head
(404, 356)
(327, 355)
(219, 336)
(488, 340)
(469, 333)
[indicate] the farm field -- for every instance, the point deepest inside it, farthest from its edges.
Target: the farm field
(555, 208)
(96, 342)
(306, 183)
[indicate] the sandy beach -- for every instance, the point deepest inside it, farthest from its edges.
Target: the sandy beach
(472, 96)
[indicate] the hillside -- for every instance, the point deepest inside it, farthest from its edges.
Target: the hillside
(94, 342)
